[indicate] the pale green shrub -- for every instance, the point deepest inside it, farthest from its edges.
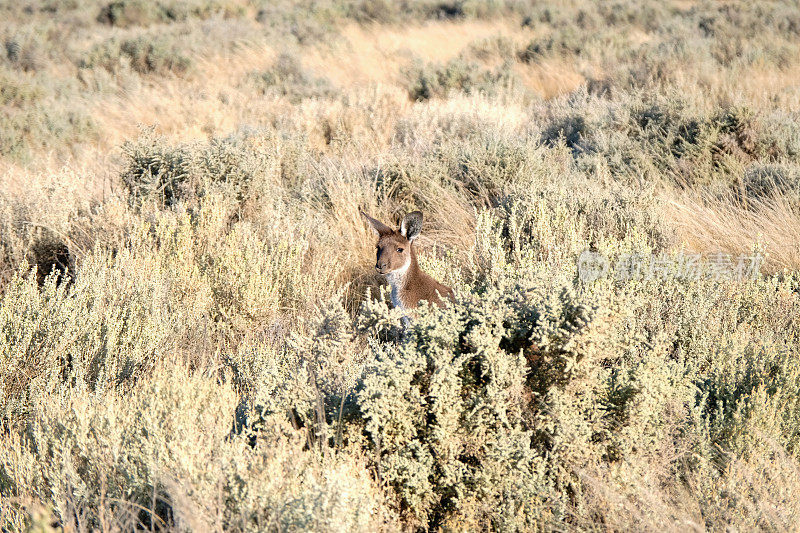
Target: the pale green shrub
(430, 81)
(43, 127)
(387, 12)
(165, 174)
(113, 451)
(146, 54)
(607, 382)
(287, 77)
(17, 93)
(237, 274)
(219, 359)
(109, 328)
(162, 455)
(445, 422)
(126, 13)
(646, 138)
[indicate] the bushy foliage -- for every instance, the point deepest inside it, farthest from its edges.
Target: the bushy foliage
(146, 54)
(507, 399)
(157, 171)
(30, 122)
(191, 334)
(429, 81)
(444, 411)
(73, 460)
(288, 78)
(126, 13)
(683, 142)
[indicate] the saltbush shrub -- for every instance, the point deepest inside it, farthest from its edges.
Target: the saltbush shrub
(288, 78)
(125, 13)
(167, 174)
(431, 80)
(197, 342)
(146, 54)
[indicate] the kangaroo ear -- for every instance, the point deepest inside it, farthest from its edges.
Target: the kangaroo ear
(411, 225)
(379, 227)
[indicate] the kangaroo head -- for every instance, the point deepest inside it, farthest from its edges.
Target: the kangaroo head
(394, 246)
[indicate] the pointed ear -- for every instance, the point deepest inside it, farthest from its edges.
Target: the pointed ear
(379, 227)
(411, 225)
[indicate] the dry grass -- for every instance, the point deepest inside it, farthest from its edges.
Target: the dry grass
(209, 103)
(550, 78)
(709, 224)
(378, 54)
(214, 362)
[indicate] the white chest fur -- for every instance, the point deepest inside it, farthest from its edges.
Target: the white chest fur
(397, 279)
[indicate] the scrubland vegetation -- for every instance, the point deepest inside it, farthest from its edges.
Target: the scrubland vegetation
(192, 336)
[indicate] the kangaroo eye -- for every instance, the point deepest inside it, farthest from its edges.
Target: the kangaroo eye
(400, 250)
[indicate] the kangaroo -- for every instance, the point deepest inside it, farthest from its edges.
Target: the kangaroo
(397, 261)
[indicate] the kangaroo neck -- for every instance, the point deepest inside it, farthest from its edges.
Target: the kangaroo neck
(413, 268)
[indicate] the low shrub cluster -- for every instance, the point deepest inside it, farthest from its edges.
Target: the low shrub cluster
(32, 122)
(144, 54)
(288, 78)
(124, 13)
(687, 144)
(429, 81)
(535, 401)
(192, 336)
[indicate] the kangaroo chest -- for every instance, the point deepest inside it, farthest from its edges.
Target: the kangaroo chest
(397, 280)
(396, 301)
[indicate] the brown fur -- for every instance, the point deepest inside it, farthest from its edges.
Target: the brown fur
(410, 285)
